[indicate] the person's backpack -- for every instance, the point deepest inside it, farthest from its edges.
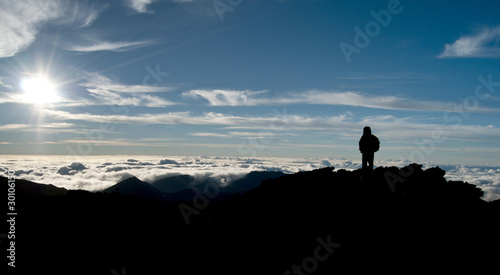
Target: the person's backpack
(375, 143)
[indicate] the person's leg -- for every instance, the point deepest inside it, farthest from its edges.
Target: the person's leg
(364, 160)
(370, 158)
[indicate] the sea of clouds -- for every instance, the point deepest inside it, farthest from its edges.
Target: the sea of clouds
(94, 173)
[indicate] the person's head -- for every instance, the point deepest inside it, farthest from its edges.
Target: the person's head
(367, 130)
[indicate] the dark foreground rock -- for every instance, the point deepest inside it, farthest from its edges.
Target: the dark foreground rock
(318, 222)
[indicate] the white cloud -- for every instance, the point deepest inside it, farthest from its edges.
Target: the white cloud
(252, 134)
(109, 92)
(109, 97)
(41, 127)
(72, 169)
(226, 97)
(6, 86)
(140, 6)
(198, 134)
(487, 178)
(99, 172)
(109, 46)
(20, 21)
(10, 127)
(80, 13)
(355, 99)
(98, 81)
(389, 128)
(235, 134)
(485, 43)
(118, 142)
(273, 123)
(366, 100)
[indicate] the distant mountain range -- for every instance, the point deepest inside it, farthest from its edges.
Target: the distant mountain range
(174, 188)
(183, 187)
(393, 220)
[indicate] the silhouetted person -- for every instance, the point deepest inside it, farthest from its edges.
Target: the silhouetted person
(368, 145)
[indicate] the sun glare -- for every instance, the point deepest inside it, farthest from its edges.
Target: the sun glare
(38, 90)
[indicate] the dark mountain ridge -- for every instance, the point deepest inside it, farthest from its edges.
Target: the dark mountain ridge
(395, 220)
(184, 187)
(174, 184)
(137, 187)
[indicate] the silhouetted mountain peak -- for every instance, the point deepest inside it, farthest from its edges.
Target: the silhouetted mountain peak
(135, 186)
(132, 180)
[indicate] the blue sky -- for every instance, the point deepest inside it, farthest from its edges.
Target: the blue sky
(251, 78)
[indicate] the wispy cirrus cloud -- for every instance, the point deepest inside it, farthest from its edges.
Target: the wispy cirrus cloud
(209, 118)
(109, 92)
(20, 21)
(233, 134)
(39, 127)
(392, 128)
(99, 81)
(227, 97)
(348, 98)
(485, 43)
(218, 135)
(4, 85)
(109, 46)
(80, 13)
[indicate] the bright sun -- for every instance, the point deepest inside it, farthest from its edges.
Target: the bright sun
(38, 90)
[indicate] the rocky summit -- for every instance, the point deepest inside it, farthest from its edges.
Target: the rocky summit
(395, 220)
